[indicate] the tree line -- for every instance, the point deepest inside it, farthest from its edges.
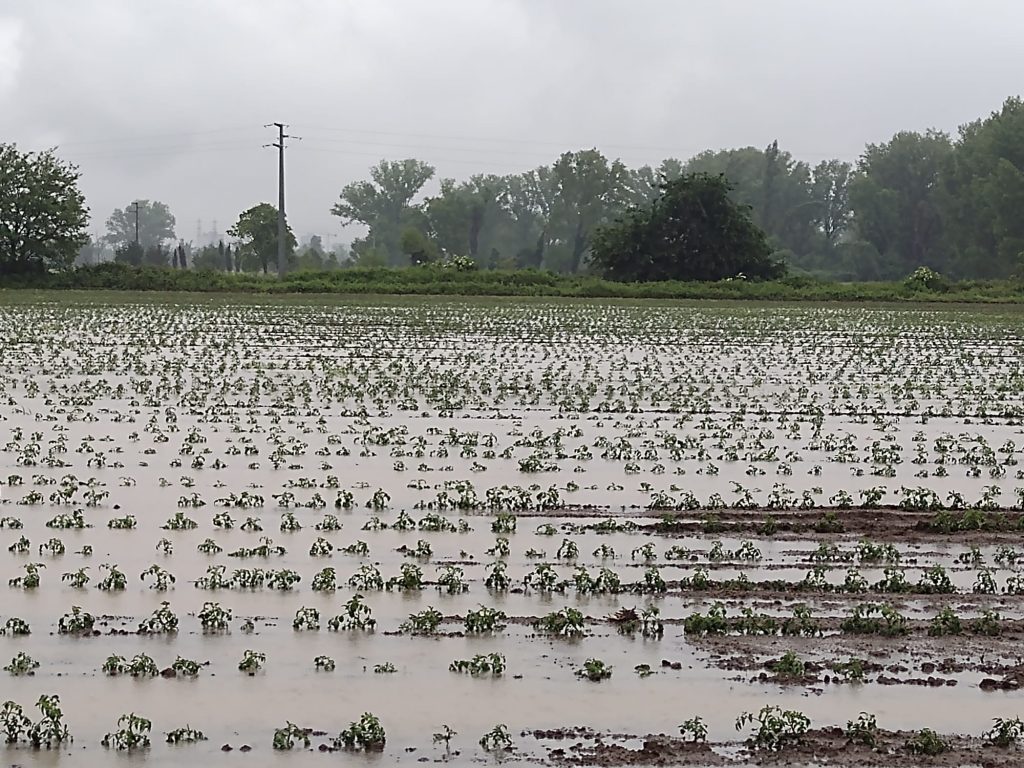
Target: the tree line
(920, 199)
(950, 203)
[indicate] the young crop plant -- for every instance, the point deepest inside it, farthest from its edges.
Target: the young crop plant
(13, 722)
(367, 578)
(325, 580)
(425, 622)
(76, 622)
(853, 671)
(802, 623)
(714, 623)
(501, 548)
(1005, 732)
(329, 523)
(445, 735)
(162, 578)
(652, 581)
(775, 728)
(694, 729)
(875, 619)
(357, 616)
(366, 733)
(452, 580)
(132, 733)
(568, 550)
(567, 622)
(504, 522)
(31, 578)
(66, 521)
(485, 619)
(497, 740)
(49, 731)
(306, 618)
(252, 662)
(497, 580)
(629, 621)
(54, 547)
(214, 578)
(290, 523)
(163, 621)
(179, 521)
(186, 735)
(185, 667)
(140, 665)
(321, 548)
(863, 730)
(985, 583)
(788, 667)
(946, 622)
(358, 548)
(594, 670)
(894, 580)
(252, 524)
(935, 580)
(22, 664)
(209, 547)
(542, 578)
(989, 623)
(286, 738)
(410, 580)
(927, 742)
(323, 664)
(492, 664)
(114, 581)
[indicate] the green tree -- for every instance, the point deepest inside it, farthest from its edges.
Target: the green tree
(588, 193)
(384, 204)
(157, 255)
(92, 252)
(156, 224)
(830, 190)
(209, 257)
(778, 190)
(895, 199)
(528, 201)
(42, 211)
(693, 230)
(418, 247)
(130, 253)
(256, 231)
(982, 195)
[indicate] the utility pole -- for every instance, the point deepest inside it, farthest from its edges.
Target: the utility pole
(282, 226)
(136, 204)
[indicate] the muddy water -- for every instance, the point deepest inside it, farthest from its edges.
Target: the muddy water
(270, 376)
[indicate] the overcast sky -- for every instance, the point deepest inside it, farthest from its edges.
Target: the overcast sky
(166, 100)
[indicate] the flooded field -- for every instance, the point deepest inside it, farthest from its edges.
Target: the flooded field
(563, 533)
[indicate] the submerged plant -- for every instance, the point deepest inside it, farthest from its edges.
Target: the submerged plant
(366, 733)
(594, 670)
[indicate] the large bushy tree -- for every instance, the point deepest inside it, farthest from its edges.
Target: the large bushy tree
(982, 195)
(896, 202)
(256, 230)
(693, 230)
(156, 225)
(42, 212)
(383, 204)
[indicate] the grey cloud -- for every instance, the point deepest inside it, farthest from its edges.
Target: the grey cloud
(168, 100)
